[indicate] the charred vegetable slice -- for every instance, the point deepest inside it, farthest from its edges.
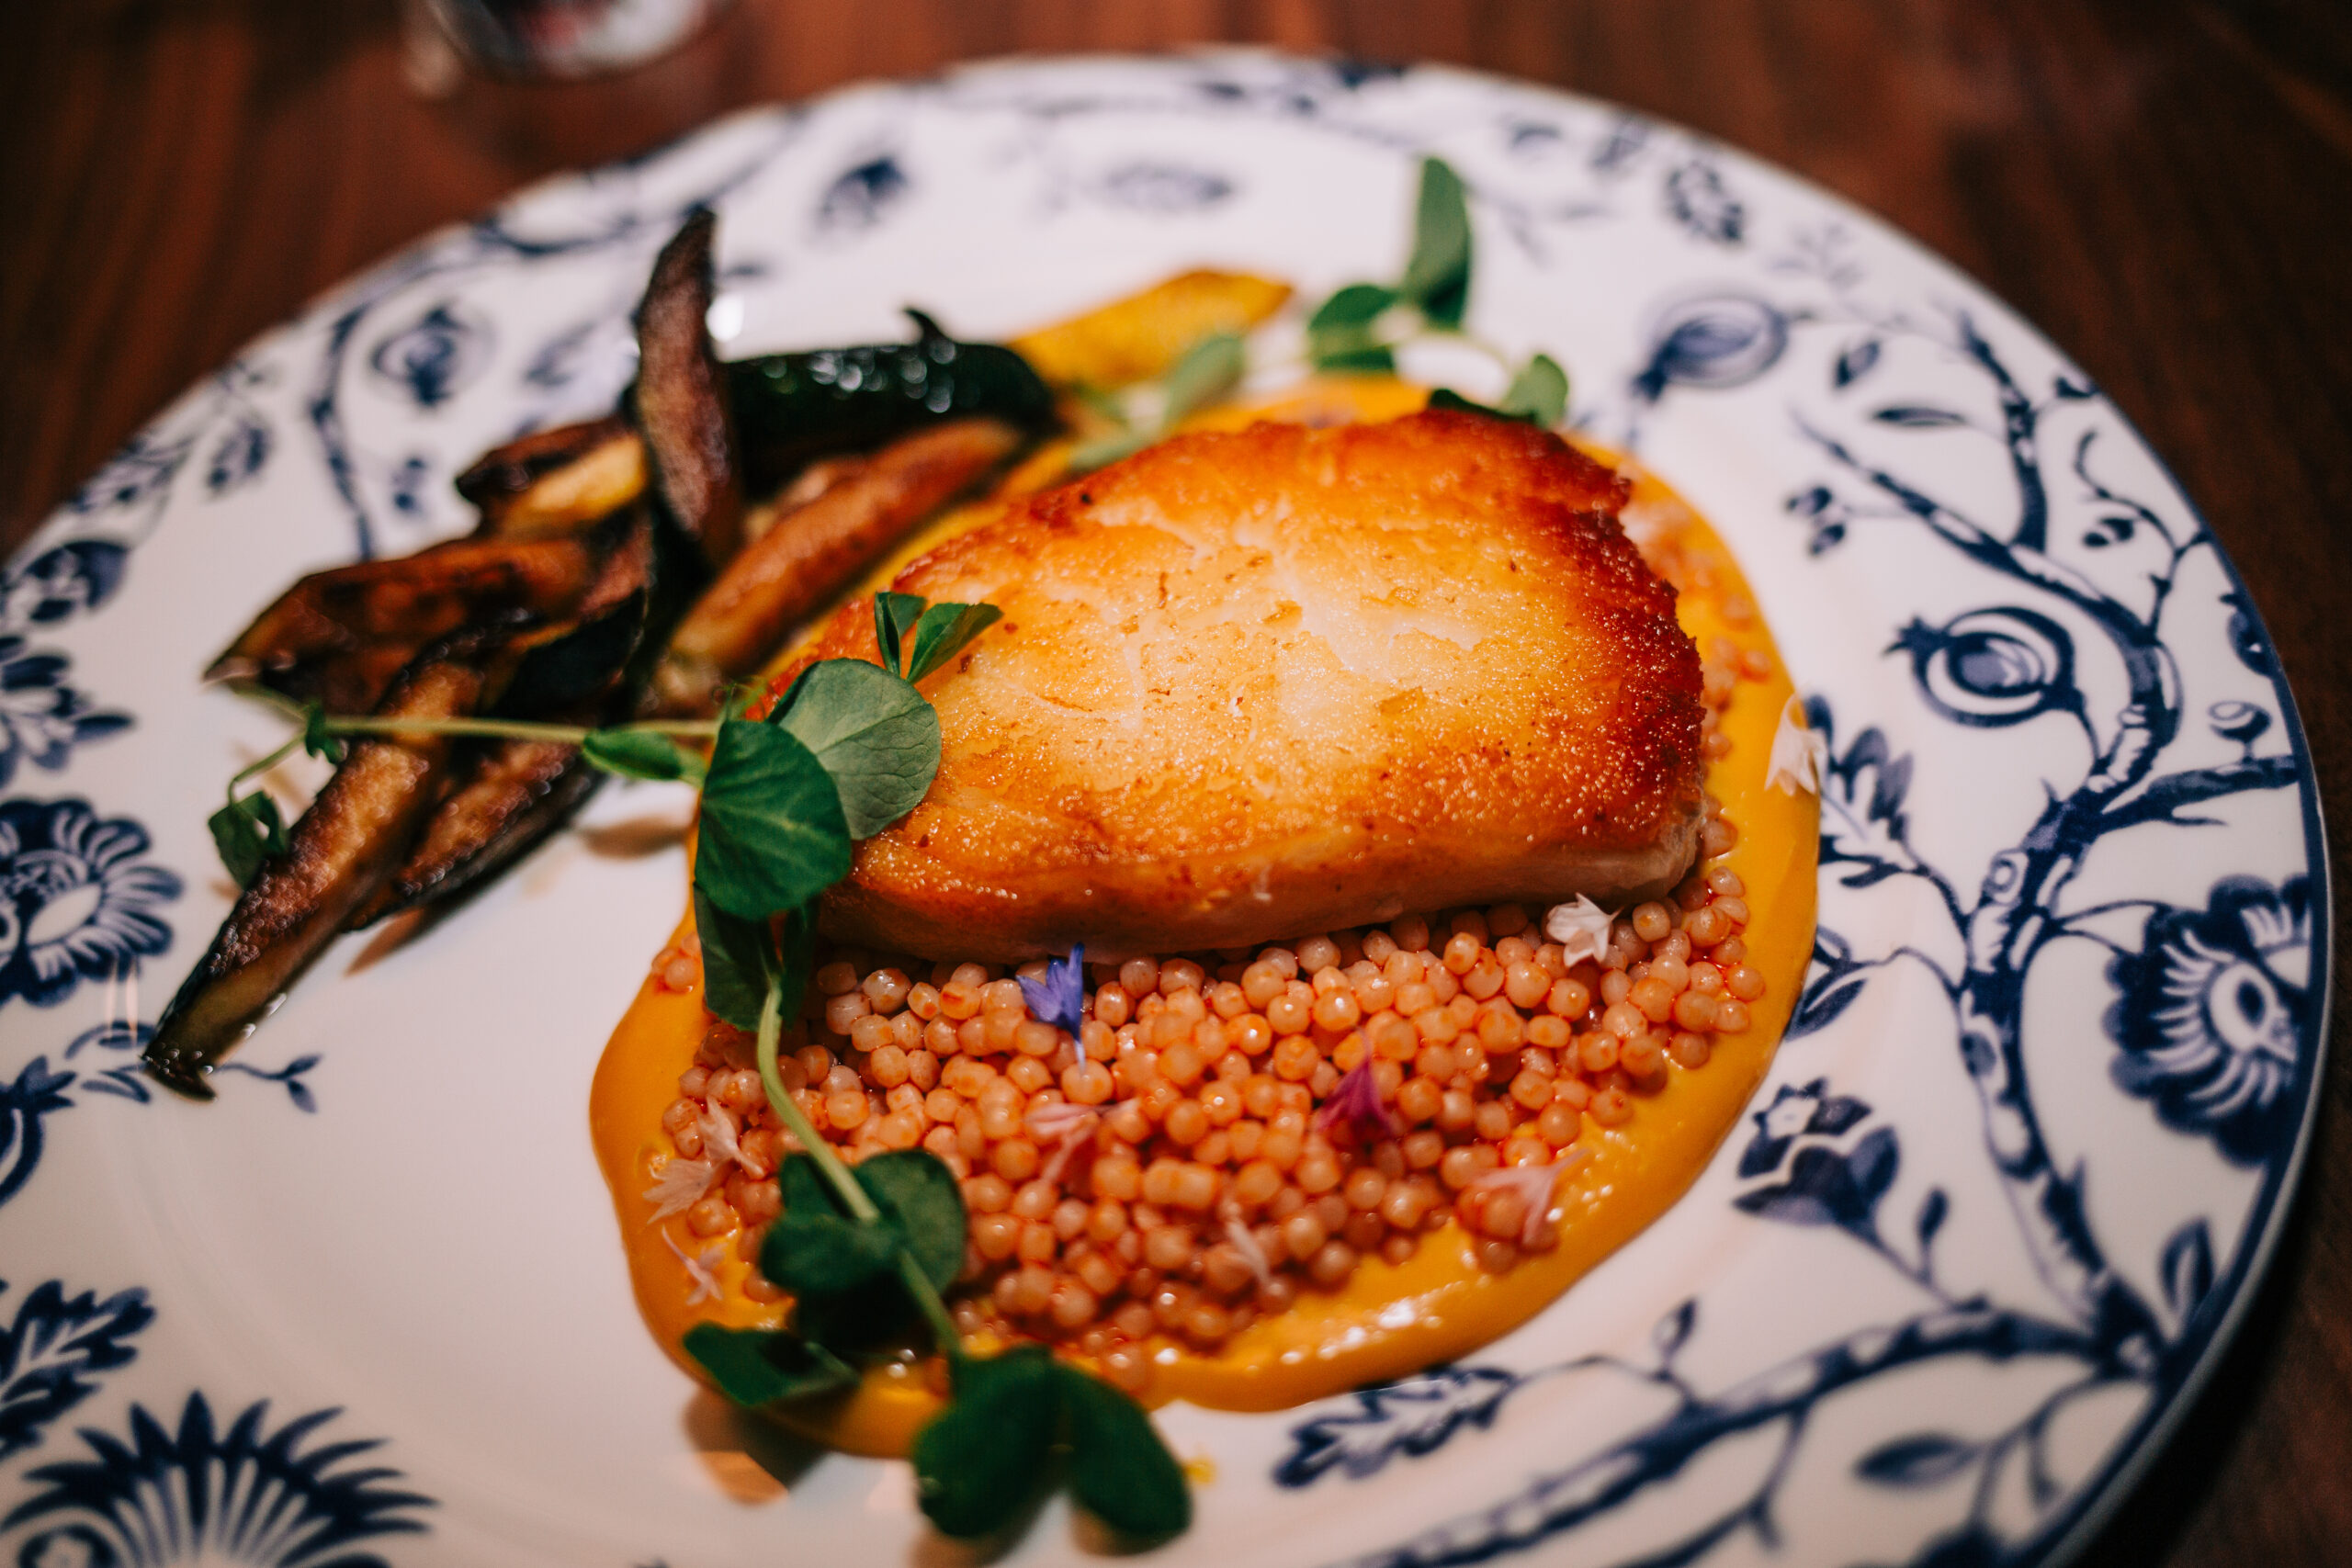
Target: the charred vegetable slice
(338, 636)
(522, 790)
(792, 408)
(810, 554)
(679, 403)
(339, 853)
(557, 480)
(519, 791)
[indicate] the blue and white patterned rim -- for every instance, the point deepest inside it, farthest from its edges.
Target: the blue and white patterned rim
(2003, 1197)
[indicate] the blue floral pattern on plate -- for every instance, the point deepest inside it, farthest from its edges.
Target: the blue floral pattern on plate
(2044, 1092)
(77, 900)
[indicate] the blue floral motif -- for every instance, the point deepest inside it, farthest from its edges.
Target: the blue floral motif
(1994, 668)
(1713, 343)
(64, 581)
(2215, 1011)
(225, 420)
(1700, 201)
(198, 1495)
(139, 475)
(1795, 1113)
(2209, 1015)
(125, 1080)
(36, 1092)
(42, 718)
(51, 1353)
(861, 196)
(76, 903)
(1410, 1417)
(239, 453)
(434, 356)
(39, 1090)
(1148, 187)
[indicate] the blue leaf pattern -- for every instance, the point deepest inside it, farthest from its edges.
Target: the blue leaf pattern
(197, 1494)
(51, 1354)
(1412, 1416)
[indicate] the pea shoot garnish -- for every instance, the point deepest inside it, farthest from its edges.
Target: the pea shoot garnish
(868, 1253)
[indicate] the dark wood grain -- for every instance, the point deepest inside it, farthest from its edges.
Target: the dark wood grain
(2162, 187)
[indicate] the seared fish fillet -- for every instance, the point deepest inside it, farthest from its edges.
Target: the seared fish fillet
(1255, 684)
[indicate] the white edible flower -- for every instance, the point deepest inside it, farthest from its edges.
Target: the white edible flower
(1246, 1244)
(679, 1186)
(1065, 1126)
(1535, 1184)
(1581, 929)
(700, 1268)
(719, 1136)
(1799, 754)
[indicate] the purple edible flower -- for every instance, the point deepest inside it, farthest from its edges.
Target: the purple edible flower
(1060, 997)
(1355, 1104)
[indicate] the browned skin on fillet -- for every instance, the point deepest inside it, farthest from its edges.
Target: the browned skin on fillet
(339, 852)
(1277, 681)
(812, 552)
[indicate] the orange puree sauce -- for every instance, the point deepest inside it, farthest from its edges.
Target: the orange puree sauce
(1385, 1320)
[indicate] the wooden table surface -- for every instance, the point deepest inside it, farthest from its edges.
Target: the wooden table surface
(2164, 188)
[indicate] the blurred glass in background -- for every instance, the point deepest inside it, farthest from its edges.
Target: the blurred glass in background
(563, 39)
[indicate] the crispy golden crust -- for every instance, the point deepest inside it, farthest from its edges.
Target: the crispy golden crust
(1258, 683)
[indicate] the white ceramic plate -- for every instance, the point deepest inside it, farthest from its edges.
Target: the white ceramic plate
(2014, 1172)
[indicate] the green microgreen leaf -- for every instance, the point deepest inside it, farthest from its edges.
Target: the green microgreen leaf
(247, 831)
(773, 835)
(817, 1250)
(1363, 359)
(1119, 1468)
(318, 739)
(944, 630)
(1340, 334)
(872, 731)
(1356, 305)
(640, 754)
(1539, 392)
(738, 957)
(918, 1196)
(1437, 277)
(814, 1249)
(1447, 398)
(1105, 450)
(981, 1461)
(767, 1366)
(1207, 371)
(894, 615)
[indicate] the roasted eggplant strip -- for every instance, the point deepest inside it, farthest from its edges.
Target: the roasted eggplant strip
(557, 481)
(679, 401)
(791, 408)
(810, 554)
(340, 851)
(505, 472)
(337, 635)
(522, 790)
(517, 792)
